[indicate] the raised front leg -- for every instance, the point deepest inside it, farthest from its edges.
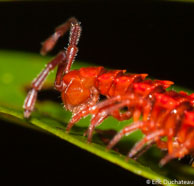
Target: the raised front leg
(73, 25)
(63, 60)
(38, 82)
(49, 43)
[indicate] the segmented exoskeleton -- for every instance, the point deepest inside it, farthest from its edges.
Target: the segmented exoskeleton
(164, 113)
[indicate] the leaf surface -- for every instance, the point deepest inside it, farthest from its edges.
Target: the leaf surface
(18, 69)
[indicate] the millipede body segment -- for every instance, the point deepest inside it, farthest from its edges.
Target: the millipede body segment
(165, 114)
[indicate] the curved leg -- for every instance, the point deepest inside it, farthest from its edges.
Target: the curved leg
(94, 109)
(181, 151)
(73, 25)
(63, 60)
(38, 82)
(109, 107)
(147, 139)
(125, 131)
(143, 150)
(178, 153)
(100, 116)
(99, 112)
(96, 120)
(49, 43)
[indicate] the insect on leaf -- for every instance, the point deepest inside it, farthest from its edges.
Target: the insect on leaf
(50, 116)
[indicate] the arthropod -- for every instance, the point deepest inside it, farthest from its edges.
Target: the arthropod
(165, 114)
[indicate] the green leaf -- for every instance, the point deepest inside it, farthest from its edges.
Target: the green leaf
(18, 69)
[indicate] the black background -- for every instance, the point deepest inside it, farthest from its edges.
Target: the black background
(146, 37)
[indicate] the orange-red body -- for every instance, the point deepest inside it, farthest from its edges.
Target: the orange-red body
(110, 83)
(165, 113)
(161, 104)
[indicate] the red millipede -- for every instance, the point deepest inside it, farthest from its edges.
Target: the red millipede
(165, 114)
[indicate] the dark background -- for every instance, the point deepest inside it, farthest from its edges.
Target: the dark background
(146, 37)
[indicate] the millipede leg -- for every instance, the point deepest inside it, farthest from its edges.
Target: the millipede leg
(176, 154)
(63, 60)
(38, 82)
(143, 150)
(76, 117)
(85, 110)
(114, 104)
(103, 108)
(125, 131)
(96, 120)
(49, 43)
(122, 116)
(181, 151)
(162, 144)
(75, 31)
(149, 138)
(106, 103)
(101, 115)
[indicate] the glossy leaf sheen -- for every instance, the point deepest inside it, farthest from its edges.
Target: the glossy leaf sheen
(17, 70)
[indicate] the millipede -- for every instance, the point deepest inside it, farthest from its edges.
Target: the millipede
(158, 112)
